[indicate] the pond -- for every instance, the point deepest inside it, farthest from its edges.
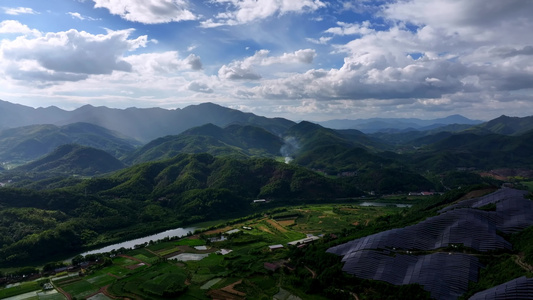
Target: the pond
(178, 232)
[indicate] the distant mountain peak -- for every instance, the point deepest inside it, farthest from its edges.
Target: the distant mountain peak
(373, 125)
(74, 159)
(143, 124)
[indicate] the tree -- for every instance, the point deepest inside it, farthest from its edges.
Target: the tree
(78, 259)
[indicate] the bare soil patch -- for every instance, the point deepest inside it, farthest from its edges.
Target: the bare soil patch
(228, 292)
(287, 222)
(349, 209)
(277, 226)
(231, 288)
(263, 228)
(219, 230)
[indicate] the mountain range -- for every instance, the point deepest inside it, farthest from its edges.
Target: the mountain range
(385, 161)
(33, 141)
(74, 159)
(143, 124)
(146, 124)
(373, 125)
(75, 185)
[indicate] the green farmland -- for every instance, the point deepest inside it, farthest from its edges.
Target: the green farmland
(148, 273)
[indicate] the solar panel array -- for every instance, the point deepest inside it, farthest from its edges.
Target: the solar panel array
(461, 223)
(497, 196)
(471, 227)
(445, 276)
(519, 288)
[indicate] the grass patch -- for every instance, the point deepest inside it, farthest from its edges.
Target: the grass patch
(497, 271)
(163, 280)
(210, 283)
(80, 289)
(168, 251)
(23, 288)
(190, 242)
(100, 279)
(528, 184)
(53, 296)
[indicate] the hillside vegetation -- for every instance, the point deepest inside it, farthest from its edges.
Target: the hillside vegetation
(233, 140)
(28, 143)
(185, 189)
(74, 159)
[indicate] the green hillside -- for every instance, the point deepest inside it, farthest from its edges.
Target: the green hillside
(506, 125)
(72, 159)
(234, 140)
(469, 150)
(27, 143)
(147, 197)
(330, 152)
(419, 138)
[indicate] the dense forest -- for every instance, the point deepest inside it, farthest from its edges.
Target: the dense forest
(186, 189)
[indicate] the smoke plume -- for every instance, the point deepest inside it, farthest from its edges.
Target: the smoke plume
(289, 148)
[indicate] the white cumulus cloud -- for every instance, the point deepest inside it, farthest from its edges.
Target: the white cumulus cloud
(19, 11)
(246, 11)
(460, 54)
(67, 56)
(244, 69)
(15, 27)
(81, 17)
(148, 11)
(163, 63)
(351, 29)
(196, 86)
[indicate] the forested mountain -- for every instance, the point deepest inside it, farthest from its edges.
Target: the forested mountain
(143, 124)
(17, 115)
(187, 188)
(470, 150)
(72, 159)
(423, 136)
(506, 125)
(417, 138)
(234, 140)
(328, 151)
(373, 125)
(215, 170)
(246, 179)
(30, 142)
(383, 162)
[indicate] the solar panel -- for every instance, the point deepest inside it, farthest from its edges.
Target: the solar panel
(519, 288)
(444, 275)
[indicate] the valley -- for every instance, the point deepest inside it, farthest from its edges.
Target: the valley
(276, 253)
(72, 188)
(247, 262)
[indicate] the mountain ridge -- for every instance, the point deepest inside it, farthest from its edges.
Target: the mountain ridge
(74, 159)
(143, 124)
(373, 125)
(233, 140)
(30, 142)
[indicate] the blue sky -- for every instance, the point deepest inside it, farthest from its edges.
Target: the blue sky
(298, 59)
